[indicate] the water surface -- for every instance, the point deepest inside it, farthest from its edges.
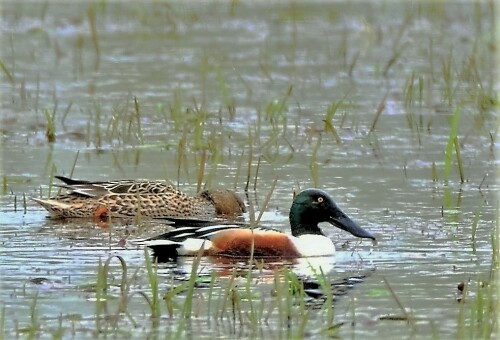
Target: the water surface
(215, 77)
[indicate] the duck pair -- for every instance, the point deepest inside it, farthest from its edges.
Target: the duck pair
(160, 200)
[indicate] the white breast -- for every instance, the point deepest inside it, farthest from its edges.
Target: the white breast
(314, 245)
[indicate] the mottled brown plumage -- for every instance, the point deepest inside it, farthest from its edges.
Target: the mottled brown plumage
(128, 198)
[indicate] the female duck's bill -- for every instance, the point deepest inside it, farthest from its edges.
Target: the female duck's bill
(309, 208)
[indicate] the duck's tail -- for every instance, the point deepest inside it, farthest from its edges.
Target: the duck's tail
(163, 250)
(71, 181)
(55, 208)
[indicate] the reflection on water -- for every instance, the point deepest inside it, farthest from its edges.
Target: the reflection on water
(296, 87)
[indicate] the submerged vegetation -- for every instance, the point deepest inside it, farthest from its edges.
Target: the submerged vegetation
(401, 110)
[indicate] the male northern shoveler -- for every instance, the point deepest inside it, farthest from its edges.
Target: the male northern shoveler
(310, 207)
(128, 198)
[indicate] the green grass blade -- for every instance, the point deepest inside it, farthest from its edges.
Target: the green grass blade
(451, 143)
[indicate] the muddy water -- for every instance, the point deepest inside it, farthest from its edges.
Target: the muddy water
(180, 60)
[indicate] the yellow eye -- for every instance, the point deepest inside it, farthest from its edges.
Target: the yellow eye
(320, 199)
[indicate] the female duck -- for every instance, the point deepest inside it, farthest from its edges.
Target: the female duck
(310, 207)
(128, 198)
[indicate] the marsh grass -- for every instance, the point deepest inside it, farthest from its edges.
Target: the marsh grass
(24, 203)
(124, 126)
(201, 170)
(4, 184)
(188, 302)
(275, 110)
(34, 327)
(475, 222)
(65, 114)
(448, 76)
(138, 118)
(451, 145)
(413, 94)
(353, 62)
(182, 159)
(154, 301)
(328, 304)
(53, 172)
(459, 159)
(256, 176)
(397, 46)
(250, 159)
(227, 98)
(50, 133)
(478, 315)
(175, 108)
(214, 148)
(410, 319)
(91, 16)
(35, 322)
(314, 166)
(434, 172)
(378, 112)
(274, 119)
(7, 73)
(330, 113)
(96, 122)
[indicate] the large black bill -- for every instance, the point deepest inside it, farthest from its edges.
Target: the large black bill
(345, 223)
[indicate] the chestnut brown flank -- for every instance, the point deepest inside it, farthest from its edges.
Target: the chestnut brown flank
(267, 244)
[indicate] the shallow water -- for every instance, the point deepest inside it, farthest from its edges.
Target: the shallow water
(186, 64)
